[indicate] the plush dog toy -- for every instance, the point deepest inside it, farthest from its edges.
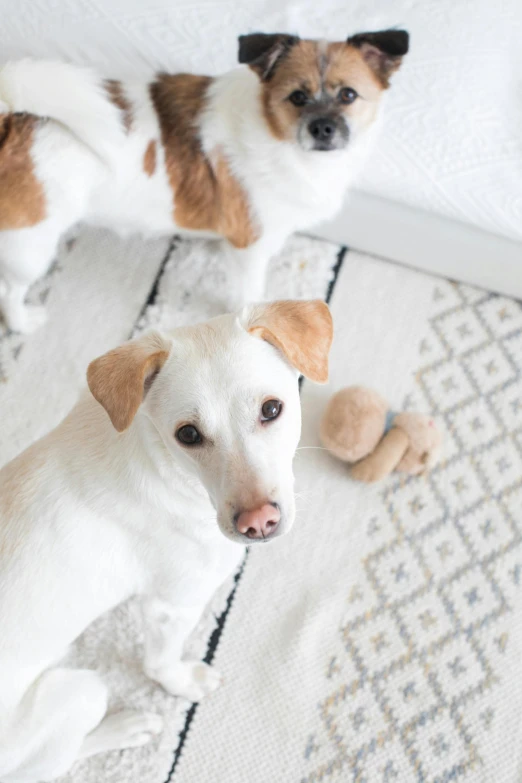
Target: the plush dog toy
(359, 427)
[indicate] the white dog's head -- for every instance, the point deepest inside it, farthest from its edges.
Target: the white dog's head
(224, 398)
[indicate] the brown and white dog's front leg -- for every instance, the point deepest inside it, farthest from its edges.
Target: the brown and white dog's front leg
(248, 270)
(25, 255)
(166, 629)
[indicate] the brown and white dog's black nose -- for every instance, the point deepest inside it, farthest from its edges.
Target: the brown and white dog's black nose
(322, 128)
(259, 522)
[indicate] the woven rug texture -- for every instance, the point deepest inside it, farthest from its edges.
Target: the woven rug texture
(379, 642)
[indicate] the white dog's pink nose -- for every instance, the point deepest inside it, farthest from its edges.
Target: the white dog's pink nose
(260, 522)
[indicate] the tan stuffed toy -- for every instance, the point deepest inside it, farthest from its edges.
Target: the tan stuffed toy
(359, 427)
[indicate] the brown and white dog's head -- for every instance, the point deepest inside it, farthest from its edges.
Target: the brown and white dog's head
(319, 93)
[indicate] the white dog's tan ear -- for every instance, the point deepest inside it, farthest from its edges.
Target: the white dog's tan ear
(302, 330)
(119, 380)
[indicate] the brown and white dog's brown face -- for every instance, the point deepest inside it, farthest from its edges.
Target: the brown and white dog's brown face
(319, 93)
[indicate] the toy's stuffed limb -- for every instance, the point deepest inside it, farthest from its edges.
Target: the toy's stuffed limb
(385, 458)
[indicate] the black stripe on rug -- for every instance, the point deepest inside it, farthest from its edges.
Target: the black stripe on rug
(215, 637)
(335, 273)
(211, 650)
(153, 293)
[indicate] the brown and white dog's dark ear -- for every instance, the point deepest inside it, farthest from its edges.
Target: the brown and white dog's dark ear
(383, 51)
(120, 379)
(262, 51)
(301, 330)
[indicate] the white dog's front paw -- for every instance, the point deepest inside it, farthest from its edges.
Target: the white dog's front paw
(129, 729)
(191, 679)
(205, 678)
(4, 108)
(26, 319)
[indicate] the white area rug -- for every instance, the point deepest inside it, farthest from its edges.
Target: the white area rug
(380, 641)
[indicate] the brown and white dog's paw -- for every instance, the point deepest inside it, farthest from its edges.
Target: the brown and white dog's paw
(193, 680)
(26, 319)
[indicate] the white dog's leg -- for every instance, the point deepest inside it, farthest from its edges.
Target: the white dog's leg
(125, 729)
(61, 721)
(50, 724)
(167, 628)
(25, 256)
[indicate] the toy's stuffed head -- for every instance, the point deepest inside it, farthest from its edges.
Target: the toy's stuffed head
(354, 423)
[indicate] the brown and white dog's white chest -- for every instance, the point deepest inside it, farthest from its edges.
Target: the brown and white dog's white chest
(161, 179)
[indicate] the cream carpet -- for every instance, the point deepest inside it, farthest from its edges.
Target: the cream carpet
(380, 641)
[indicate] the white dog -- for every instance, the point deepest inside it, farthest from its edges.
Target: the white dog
(251, 156)
(155, 499)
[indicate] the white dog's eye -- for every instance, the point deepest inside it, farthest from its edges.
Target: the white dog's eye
(188, 435)
(271, 410)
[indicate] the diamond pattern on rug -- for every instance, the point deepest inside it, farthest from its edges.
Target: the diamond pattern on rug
(423, 646)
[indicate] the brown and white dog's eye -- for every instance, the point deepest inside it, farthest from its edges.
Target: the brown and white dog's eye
(189, 435)
(347, 95)
(271, 409)
(298, 98)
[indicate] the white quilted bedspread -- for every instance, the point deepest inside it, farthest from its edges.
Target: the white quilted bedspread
(452, 140)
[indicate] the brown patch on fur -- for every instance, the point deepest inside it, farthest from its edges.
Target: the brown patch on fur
(303, 331)
(207, 196)
(319, 69)
(299, 69)
(149, 159)
(233, 220)
(346, 66)
(117, 96)
(22, 198)
(120, 379)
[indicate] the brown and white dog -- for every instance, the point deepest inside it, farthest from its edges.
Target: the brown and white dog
(250, 156)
